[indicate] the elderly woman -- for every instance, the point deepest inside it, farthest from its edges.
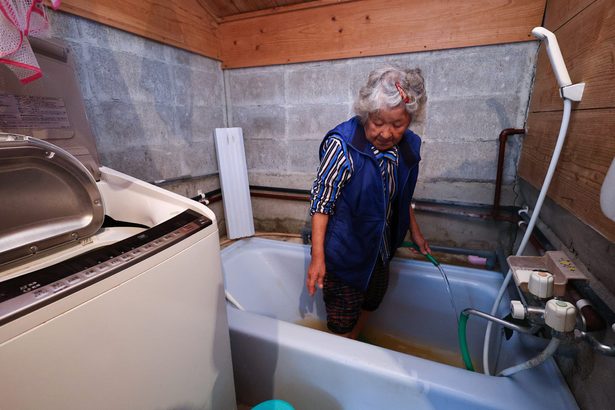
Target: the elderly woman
(360, 200)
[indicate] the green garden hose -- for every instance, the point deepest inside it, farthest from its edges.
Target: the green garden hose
(463, 343)
(463, 317)
(427, 255)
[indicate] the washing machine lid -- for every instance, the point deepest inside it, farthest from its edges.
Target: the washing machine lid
(47, 197)
(50, 108)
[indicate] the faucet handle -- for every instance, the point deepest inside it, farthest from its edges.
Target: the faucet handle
(517, 309)
(560, 315)
(541, 284)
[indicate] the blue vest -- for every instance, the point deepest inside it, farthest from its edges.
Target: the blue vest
(354, 231)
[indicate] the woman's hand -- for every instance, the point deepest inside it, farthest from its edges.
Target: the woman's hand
(315, 274)
(419, 240)
(316, 270)
(417, 236)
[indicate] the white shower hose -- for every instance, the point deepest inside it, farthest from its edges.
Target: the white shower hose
(544, 355)
(541, 197)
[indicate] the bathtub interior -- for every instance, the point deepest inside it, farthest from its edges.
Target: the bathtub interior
(274, 357)
(267, 278)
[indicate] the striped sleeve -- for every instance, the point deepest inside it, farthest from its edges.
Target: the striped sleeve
(333, 173)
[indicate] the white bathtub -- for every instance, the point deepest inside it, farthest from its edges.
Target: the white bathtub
(273, 357)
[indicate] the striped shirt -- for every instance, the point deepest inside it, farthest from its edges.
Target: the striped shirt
(336, 169)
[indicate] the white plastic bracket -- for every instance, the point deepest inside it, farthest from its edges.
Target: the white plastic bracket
(573, 92)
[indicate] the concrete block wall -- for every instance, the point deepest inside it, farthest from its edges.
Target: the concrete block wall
(473, 93)
(152, 107)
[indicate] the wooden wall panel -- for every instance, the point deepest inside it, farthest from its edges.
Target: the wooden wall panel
(375, 27)
(587, 41)
(184, 24)
(560, 11)
(585, 159)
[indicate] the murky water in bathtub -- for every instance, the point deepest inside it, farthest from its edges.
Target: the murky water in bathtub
(382, 339)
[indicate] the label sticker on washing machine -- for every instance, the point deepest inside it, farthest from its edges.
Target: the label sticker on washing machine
(32, 112)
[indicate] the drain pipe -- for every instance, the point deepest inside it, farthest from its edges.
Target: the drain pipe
(569, 92)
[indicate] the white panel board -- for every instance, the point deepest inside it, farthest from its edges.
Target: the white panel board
(234, 182)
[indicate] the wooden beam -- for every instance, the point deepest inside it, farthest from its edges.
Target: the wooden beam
(585, 159)
(184, 24)
(207, 6)
(375, 27)
(282, 9)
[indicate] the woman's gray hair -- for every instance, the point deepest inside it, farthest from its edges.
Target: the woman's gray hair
(382, 92)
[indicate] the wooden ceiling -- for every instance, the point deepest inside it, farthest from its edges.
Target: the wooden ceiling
(221, 9)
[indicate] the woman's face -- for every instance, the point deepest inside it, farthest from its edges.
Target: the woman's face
(385, 128)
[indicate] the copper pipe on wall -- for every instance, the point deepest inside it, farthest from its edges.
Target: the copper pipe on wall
(481, 212)
(500, 170)
(424, 206)
(215, 198)
(301, 198)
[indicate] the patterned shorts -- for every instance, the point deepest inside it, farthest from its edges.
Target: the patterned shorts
(344, 302)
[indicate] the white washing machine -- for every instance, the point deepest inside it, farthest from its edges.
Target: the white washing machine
(111, 293)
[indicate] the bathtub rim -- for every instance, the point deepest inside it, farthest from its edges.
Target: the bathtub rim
(426, 375)
(458, 270)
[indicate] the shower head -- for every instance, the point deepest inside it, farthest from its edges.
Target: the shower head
(555, 55)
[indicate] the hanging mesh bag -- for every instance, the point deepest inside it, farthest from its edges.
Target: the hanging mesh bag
(19, 19)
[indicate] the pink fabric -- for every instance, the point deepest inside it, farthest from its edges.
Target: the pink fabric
(19, 19)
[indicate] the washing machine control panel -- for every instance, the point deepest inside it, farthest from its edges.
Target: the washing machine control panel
(31, 291)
